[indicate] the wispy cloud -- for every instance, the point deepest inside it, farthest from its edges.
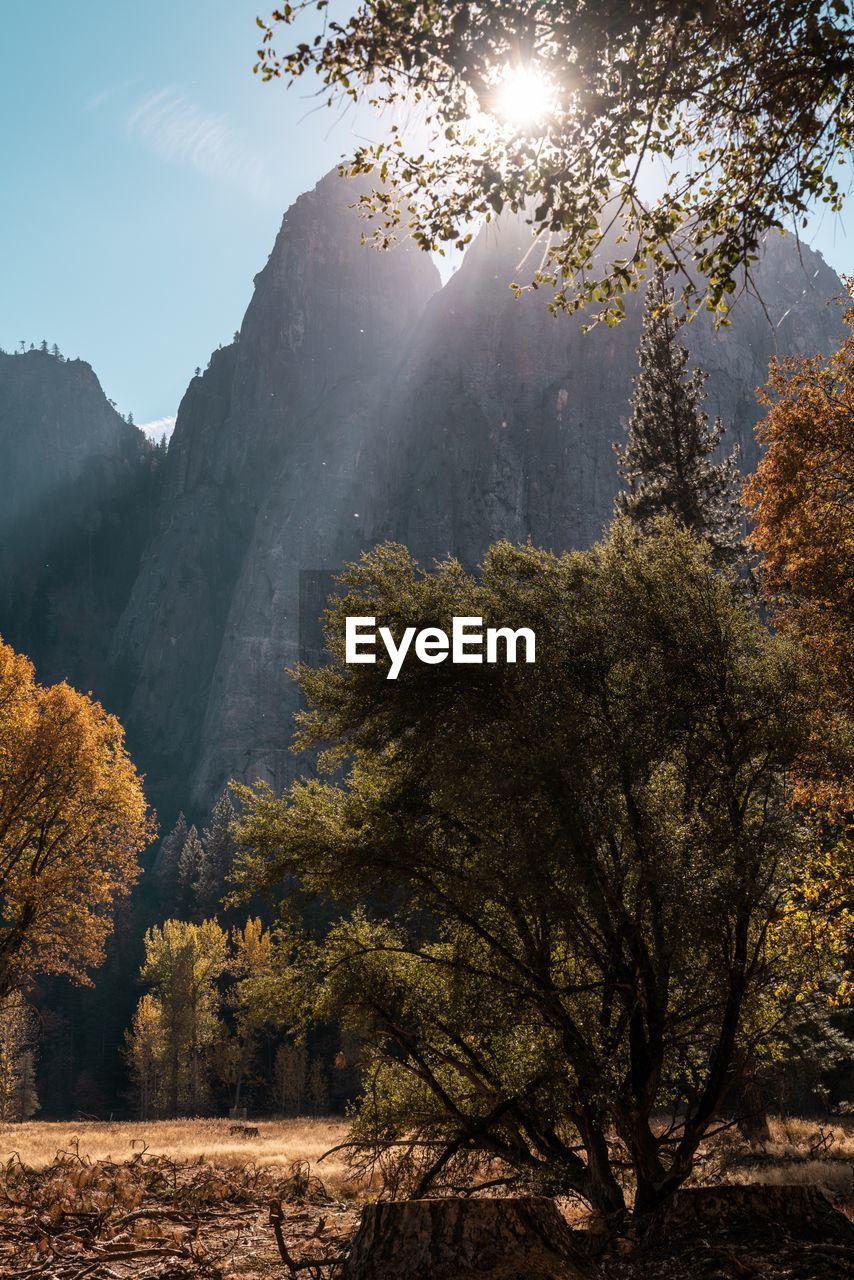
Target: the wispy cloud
(181, 132)
(104, 96)
(158, 427)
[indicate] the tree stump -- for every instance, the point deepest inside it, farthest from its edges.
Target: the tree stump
(801, 1212)
(523, 1238)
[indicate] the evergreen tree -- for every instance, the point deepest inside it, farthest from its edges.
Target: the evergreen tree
(189, 863)
(217, 855)
(667, 459)
(169, 856)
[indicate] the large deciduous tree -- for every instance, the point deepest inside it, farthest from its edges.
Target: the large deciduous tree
(692, 127)
(568, 883)
(72, 820)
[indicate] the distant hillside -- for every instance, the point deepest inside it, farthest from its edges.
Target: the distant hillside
(78, 487)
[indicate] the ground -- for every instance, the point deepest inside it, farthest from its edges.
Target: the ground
(175, 1200)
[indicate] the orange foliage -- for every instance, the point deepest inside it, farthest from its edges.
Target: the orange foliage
(802, 497)
(72, 820)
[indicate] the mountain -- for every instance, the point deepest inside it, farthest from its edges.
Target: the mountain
(260, 465)
(362, 402)
(78, 489)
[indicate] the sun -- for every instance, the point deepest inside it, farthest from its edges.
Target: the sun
(523, 97)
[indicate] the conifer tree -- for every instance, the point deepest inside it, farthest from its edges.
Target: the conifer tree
(667, 458)
(217, 855)
(169, 855)
(189, 864)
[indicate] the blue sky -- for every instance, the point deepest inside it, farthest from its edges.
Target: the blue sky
(146, 171)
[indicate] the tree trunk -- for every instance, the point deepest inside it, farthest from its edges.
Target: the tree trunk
(752, 1113)
(455, 1239)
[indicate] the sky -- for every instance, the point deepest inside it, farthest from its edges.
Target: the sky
(146, 171)
(145, 174)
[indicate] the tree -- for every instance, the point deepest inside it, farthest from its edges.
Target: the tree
(218, 849)
(290, 1077)
(250, 967)
(168, 856)
(666, 460)
(183, 963)
(579, 870)
(18, 1042)
(145, 1054)
(189, 865)
(73, 818)
(801, 497)
(693, 129)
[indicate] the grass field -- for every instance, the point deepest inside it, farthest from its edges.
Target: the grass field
(280, 1143)
(189, 1199)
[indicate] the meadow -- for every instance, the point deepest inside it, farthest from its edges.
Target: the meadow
(191, 1199)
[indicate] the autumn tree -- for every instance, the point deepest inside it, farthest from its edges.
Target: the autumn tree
(183, 963)
(693, 128)
(802, 499)
(667, 460)
(564, 888)
(72, 820)
(146, 1056)
(18, 1046)
(250, 968)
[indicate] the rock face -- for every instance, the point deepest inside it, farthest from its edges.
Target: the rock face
(78, 487)
(260, 471)
(361, 402)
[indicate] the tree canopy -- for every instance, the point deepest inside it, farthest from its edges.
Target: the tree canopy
(802, 496)
(566, 885)
(689, 128)
(73, 818)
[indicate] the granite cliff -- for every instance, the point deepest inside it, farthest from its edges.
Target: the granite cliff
(363, 402)
(78, 489)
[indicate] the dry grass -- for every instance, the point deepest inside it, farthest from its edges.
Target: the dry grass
(280, 1143)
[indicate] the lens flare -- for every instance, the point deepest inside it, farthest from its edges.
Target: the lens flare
(523, 97)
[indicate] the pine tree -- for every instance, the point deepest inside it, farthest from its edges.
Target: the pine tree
(217, 855)
(168, 856)
(189, 863)
(667, 459)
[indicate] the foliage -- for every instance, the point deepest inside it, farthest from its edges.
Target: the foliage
(692, 129)
(72, 820)
(183, 963)
(189, 865)
(666, 460)
(573, 866)
(218, 851)
(802, 496)
(168, 855)
(18, 1043)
